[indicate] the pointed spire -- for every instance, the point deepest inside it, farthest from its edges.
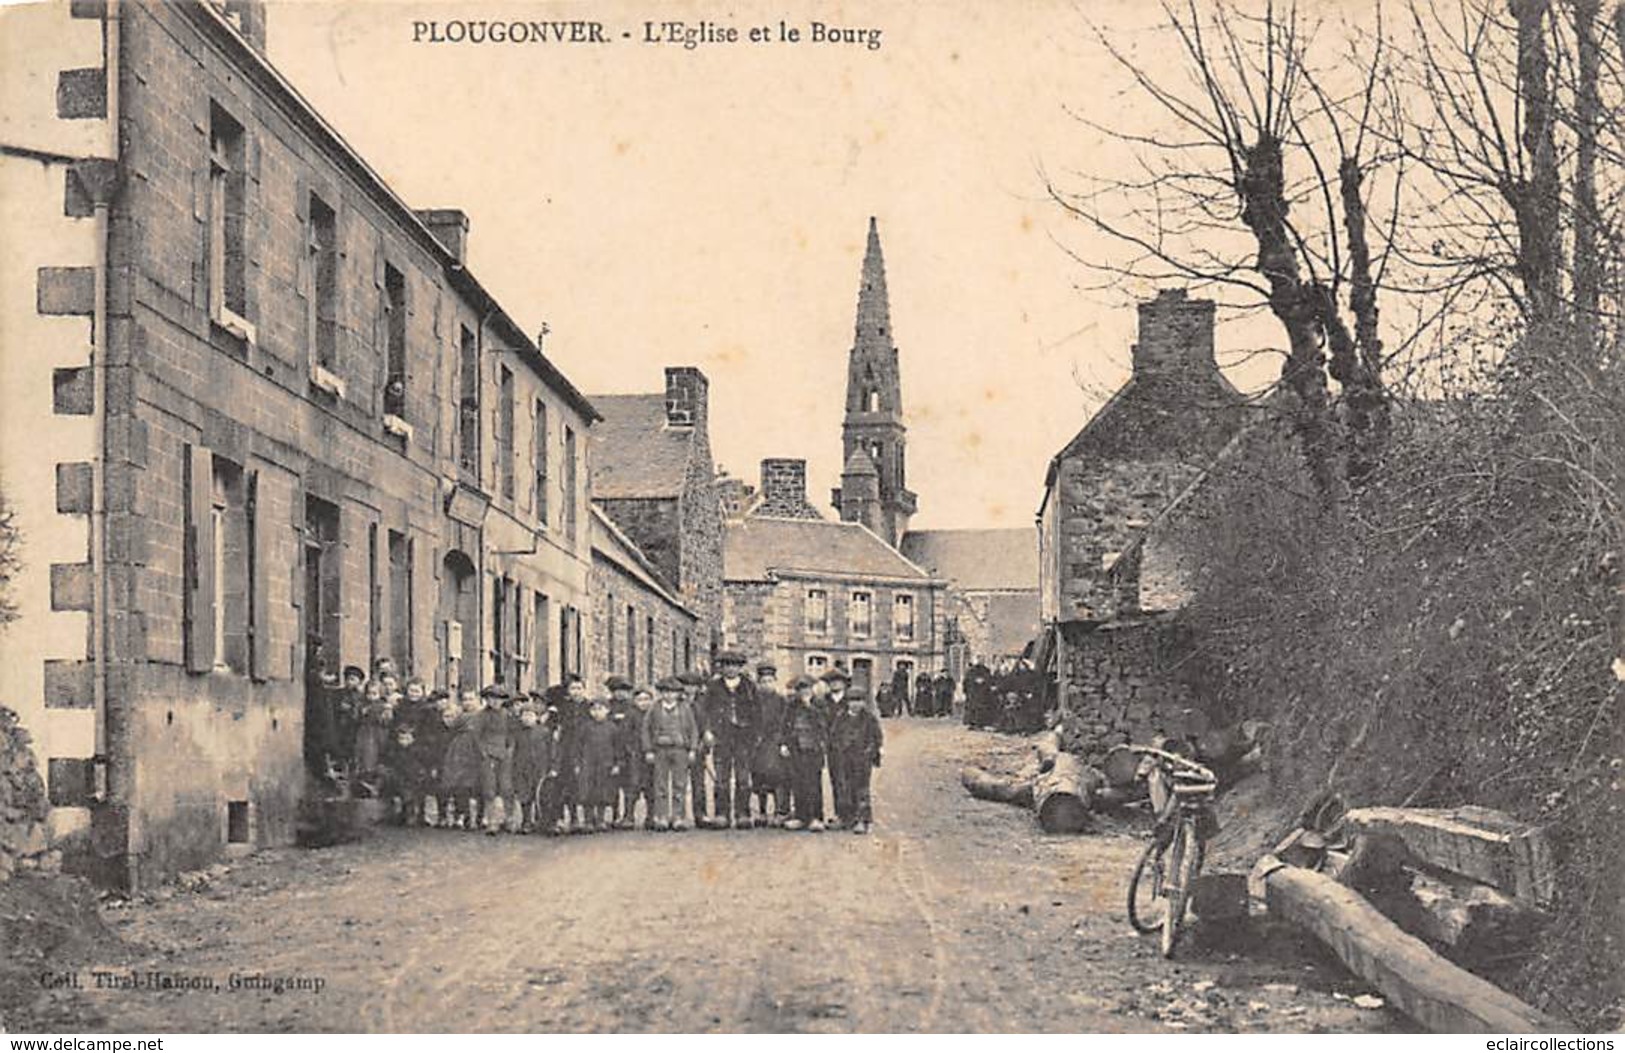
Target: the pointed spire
(874, 312)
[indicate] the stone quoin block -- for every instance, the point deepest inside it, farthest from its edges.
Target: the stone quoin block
(66, 290)
(72, 393)
(73, 481)
(81, 94)
(68, 684)
(88, 8)
(71, 587)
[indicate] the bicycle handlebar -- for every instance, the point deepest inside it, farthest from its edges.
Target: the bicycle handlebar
(1183, 762)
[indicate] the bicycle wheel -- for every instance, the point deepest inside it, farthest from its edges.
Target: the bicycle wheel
(1186, 858)
(1145, 888)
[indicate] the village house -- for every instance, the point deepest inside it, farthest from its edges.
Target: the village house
(640, 629)
(267, 418)
(654, 477)
(810, 594)
(1108, 638)
(992, 580)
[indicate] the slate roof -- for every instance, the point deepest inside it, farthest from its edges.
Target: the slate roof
(860, 463)
(977, 560)
(754, 548)
(634, 453)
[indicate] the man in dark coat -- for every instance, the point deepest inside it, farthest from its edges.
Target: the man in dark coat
(978, 695)
(944, 703)
(621, 712)
(570, 698)
(839, 683)
(769, 772)
(854, 750)
(732, 714)
(899, 692)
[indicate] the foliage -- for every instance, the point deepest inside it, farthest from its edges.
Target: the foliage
(10, 558)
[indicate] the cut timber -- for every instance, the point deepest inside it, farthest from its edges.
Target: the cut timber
(1064, 795)
(1489, 847)
(1002, 788)
(1121, 766)
(1048, 747)
(1436, 994)
(1474, 921)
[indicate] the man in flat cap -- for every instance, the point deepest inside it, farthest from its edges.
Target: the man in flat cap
(769, 772)
(731, 715)
(620, 717)
(839, 682)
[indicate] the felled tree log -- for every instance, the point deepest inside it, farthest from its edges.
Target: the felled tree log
(1489, 847)
(1475, 921)
(1064, 796)
(1436, 994)
(986, 786)
(1120, 766)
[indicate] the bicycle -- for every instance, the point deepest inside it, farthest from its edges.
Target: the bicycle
(1181, 800)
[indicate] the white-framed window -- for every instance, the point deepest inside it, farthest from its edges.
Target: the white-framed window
(817, 664)
(860, 614)
(817, 612)
(902, 617)
(228, 256)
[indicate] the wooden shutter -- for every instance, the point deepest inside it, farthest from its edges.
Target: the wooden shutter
(200, 542)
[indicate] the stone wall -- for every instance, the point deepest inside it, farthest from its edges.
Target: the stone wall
(676, 643)
(23, 807)
(1127, 682)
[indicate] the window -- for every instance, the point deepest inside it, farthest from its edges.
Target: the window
(520, 650)
(468, 406)
(504, 632)
(817, 665)
(817, 612)
(676, 650)
(228, 254)
(394, 342)
(375, 599)
(400, 599)
(688, 651)
(322, 246)
(219, 564)
(570, 483)
(649, 651)
(631, 641)
(860, 614)
(505, 415)
(538, 456)
(539, 627)
(610, 651)
(902, 617)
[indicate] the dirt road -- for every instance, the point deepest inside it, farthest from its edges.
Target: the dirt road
(955, 915)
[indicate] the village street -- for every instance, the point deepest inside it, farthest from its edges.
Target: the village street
(955, 915)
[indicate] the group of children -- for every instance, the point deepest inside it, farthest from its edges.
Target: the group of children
(560, 762)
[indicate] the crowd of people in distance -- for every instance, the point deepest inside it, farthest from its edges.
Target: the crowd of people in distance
(726, 751)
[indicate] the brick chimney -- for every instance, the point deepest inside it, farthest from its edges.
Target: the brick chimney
(784, 487)
(687, 393)
(249, 18)
(1176, 335)
(450, 228)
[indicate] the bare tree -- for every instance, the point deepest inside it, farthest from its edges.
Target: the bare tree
(1261, 191)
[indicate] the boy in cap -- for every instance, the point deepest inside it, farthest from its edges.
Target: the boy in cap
(572, 706)
(671, 738)
(806, 736)
(636, 774)
(621, 715)
(854, 749)
(533, 764)
(693, 683)
(731, 715)
(597, 767)
(493, 733)
(768, 774)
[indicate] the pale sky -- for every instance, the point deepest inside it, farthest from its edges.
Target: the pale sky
(707, 207)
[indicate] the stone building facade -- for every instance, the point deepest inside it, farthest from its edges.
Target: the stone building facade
(654, 476)
(811, 594)
(1113, 657)
(269, 410)
(640, 629)
(993, 590)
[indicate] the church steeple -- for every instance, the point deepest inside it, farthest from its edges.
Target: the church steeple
(874, 410)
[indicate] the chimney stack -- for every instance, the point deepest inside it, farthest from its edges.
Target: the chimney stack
(687, 393)
(248, 16)
(784, 488)
(450, 228)
(1176, 336)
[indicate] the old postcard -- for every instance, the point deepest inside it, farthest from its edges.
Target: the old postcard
(798, 516)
